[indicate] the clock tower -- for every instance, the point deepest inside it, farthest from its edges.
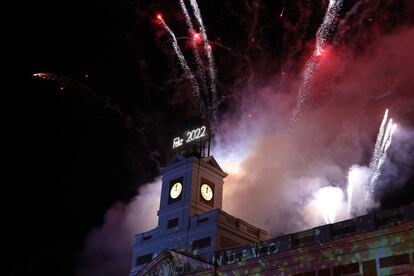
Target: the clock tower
(190, 186)
(190, 219)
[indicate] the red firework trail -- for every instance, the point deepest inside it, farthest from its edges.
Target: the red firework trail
(211, 64)
(313, 62)
(183, 62)
(197, 39)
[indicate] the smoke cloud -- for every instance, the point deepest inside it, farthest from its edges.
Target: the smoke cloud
(276, 185)
(108, 249)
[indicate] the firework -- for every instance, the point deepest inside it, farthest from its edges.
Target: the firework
(327, 25)
(384, 150)
(196, 36)
(382, 144)
(207, 100)
(350, 190)
(387, 134)
(46, 76)
(377, 147)
(302, 93)
(322, 35)
(328, 200)
(211, 65)
(196, 39)
(361, 182)
(183, 62)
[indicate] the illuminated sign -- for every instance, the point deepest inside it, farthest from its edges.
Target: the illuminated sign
(241, 254)
(177, 142)
(190, 136)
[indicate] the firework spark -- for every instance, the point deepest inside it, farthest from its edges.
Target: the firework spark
(196, 40)
(382, 144)
(328, 201)
(361, 183)
(386, 142)
(211, 64)
(183, 62)
(365, 182)
(45, 76)
(386, 146)
(322, 36)
(377, 147)
(207, 96)
(327, 25)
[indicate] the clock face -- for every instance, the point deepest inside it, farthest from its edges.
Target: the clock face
(206, 192)
(176, 190)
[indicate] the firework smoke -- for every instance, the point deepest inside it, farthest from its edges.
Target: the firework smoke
(360, 182)
(329, 200)
(322, 35)
(359, 199)
(109, 247)
(349, 190)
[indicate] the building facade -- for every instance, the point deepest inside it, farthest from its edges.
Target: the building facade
(190, 218)
(380, 243)
(194, 236)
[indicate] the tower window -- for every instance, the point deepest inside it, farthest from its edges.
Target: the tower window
(369, 268)
(172, 223)
(346, 269)
(309, 273)
(201, 220)
(143, 259)
(344, 228)
(201, 243)
(388, 221)
(344, 231)
(394, 260)
(302, 238)
(324, 272)
(226, 242)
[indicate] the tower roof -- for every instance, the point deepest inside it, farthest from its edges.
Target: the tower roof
(209, 161)
(212, 161)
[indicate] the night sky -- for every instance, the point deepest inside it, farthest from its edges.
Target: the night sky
(103, 128)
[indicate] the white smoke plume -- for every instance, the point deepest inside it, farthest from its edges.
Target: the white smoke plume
(108, 250)
(280, 181)
(359, 197)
